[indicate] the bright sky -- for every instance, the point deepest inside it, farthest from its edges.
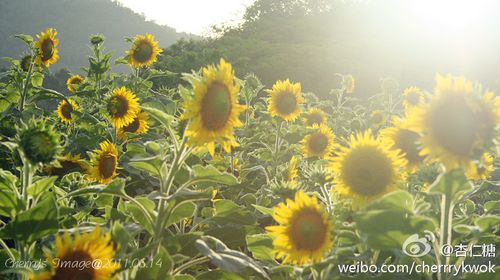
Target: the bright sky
(193, 16)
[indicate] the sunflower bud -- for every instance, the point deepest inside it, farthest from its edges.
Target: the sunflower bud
(96, 39)
(39, 142)
(25, 62)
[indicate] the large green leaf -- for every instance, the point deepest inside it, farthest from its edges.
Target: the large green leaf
(34, 223)
(211, 174)
(10, 204)
(226, 211)
(181, 211)
(452, 184)
(261, 246)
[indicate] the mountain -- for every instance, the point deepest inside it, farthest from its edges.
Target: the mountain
(75, 21)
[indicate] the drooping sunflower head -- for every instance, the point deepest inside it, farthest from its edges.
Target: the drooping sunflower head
(46, 47)
(480, 169)
(93, 247)
(315, 116)
(285, 99)
(214, 111)
(458, 123)
(104, 162)
(304, 233)
(73, 83)
(400, 137)
(123, 106)
(65, 109)
(39, 142)
(349, 83)
(413, 96)
(378, 118)
(144, 51)
(138, 126)
(318, 143)
(66, 164)
(366, 168)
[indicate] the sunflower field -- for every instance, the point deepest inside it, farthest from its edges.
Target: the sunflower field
(223, 177)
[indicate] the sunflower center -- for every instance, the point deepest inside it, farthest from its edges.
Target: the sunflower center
(133, 126)
(318, 143)
(406, 141)
(308, 230)
(118, 106)
(413, 98)
(47, 49)
(70, 267)
(143, 52)
(314, 118)
(107, 165)
(216, 107)
(286, 103)
(66, 110)
(367, 171)
(454, 125)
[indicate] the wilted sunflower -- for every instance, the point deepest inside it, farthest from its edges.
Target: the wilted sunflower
(64, 110)
(104, 163)
(319, 143)
(144, 51)
(123, 106)
(349, 83)
(93, 248)
(378, 118)
(285, 99)
(413, 96)
(400, 137)
(366, 169)
(315, 116)
(458, 123)
(74, 82)
(304, 231)
(480, 169)
(67, 164)
(138, 126)
(46, 47)
(214, 110)
(39, 142)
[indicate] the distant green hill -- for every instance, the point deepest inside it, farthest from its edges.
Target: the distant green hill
(75, 21)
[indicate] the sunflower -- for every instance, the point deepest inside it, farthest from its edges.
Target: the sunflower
(366, 169)
(285, 99)
(74, 82)
(349, 83)
(47, 52)
(458, 123)
(304, 231)
(315, 116)
(413, 96)
(214, 110)
(65, 109)
(39, 142)
(144, 51)
(138, 126)
(400, 137)
(67, 164)
(378, 118)
(123, 106)
(104, 163)
(92, 248)
(480, 169)
(319, 143)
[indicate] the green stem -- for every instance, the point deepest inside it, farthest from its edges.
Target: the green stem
(445, 236)
(26, 84)
(277, 145)
(190, 263)
(27, 178)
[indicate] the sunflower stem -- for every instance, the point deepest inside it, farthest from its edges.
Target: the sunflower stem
(26, 84)
(277, 145)
(445, 229)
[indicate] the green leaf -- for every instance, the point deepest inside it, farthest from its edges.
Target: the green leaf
(452, 184)
(491, 206)
(138, 213)
(227, 259)
(227, 211)
(160, 266)
(211, 174)
(28, 39)
(37, 79)
(486, 223)
(34, 223)
(40, 186)
(263, 210)
(220, 275)
(261, 246)
(181, 211)
(150, 165)
(10, 204)
(162, 117)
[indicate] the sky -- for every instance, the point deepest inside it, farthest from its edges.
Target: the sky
(192, 16)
